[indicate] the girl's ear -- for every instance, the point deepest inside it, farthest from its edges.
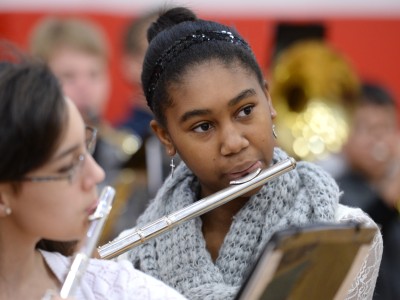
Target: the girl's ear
(268, 96)
(164, 137)
(4, 203)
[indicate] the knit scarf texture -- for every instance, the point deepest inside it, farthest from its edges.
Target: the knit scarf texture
(180, 258)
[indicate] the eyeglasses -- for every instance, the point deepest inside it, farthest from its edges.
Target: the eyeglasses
(77, 164)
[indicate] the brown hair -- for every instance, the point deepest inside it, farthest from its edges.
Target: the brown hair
(52, 33)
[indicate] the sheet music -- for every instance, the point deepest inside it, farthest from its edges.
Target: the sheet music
(314, 262)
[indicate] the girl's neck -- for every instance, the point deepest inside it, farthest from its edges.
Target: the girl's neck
(24, 274)
(217, 222)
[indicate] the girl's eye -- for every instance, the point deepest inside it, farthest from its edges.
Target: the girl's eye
(70, 167)
(245, 111)
(204, 127)
(67, 169)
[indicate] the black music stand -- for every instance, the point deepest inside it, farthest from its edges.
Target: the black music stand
(311, 262)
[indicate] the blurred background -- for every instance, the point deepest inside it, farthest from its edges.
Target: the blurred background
(315, 54)
(365, 32)
(333, 68)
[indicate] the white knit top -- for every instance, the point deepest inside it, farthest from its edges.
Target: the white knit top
(108, 280)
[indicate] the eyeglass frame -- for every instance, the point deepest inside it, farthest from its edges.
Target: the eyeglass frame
(77, 165)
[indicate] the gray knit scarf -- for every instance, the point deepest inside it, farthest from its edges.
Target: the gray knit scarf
(180, 258)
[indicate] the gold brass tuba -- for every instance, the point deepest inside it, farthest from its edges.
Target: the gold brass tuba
(314, 91)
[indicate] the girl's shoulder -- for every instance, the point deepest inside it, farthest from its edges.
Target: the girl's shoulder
(346, 213)
(108, 279)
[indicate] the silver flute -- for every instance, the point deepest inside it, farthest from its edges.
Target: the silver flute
(153, 229)
(82, 257)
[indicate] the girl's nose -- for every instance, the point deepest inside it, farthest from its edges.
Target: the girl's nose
(232, 141)
(94, 174)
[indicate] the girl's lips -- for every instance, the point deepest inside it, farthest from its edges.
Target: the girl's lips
(93, 207)
(252, 168)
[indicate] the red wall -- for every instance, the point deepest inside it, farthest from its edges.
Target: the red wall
(371, 45)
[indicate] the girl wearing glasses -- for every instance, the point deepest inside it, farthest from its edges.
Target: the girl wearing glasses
(48, 184)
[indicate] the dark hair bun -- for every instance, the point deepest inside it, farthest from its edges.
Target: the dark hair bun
(169, 19)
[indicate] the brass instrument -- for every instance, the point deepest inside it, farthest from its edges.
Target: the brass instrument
(237, 188)
(124, 144)
(81, 259)
(314, 90)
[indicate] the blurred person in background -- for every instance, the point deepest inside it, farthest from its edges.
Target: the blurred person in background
(134, 47)
(76, 50)
(372, 178)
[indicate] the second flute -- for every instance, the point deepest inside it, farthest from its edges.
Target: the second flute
(81, 258)
(237, 188)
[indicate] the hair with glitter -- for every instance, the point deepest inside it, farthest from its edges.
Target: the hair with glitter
(178, 40)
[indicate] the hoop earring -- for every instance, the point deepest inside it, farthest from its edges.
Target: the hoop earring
(7, 211)
(274, 132)
(172, 165)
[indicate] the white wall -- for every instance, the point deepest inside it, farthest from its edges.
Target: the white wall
(286, 8)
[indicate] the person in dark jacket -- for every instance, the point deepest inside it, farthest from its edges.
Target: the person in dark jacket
(371, 181)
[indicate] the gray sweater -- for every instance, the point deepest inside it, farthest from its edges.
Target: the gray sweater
(180, 258)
